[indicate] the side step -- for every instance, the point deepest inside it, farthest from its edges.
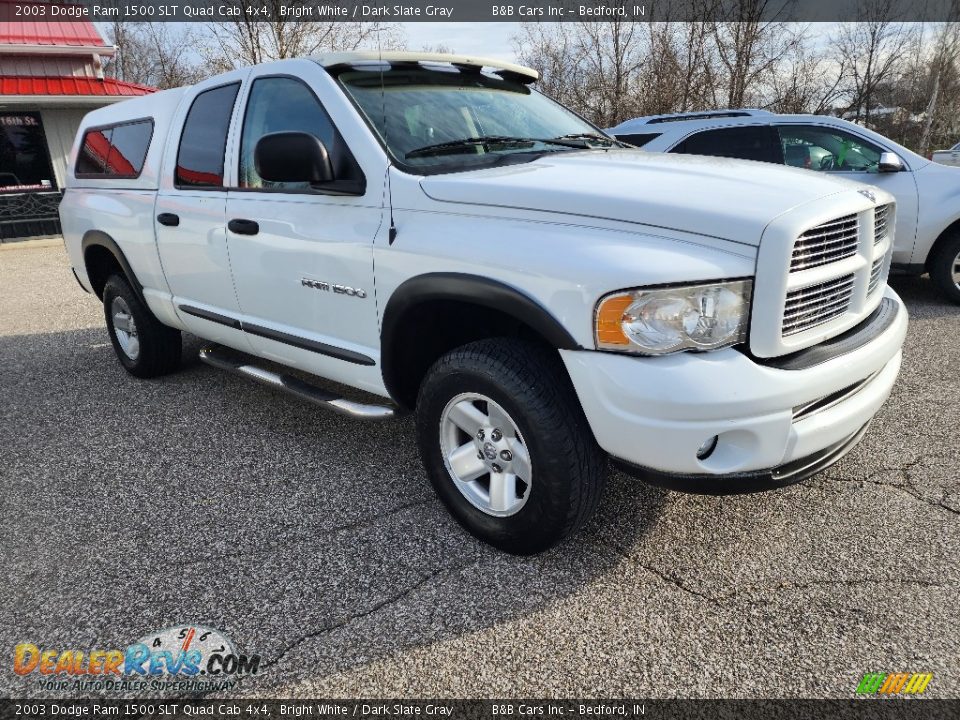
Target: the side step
(222, 358)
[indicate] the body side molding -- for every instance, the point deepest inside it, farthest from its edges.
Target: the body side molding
(285, 338)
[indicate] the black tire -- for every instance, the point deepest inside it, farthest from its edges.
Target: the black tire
(530, 383)
(942, 263)
(159, 346)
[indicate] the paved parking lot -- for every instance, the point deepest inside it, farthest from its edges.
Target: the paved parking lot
(129, 506)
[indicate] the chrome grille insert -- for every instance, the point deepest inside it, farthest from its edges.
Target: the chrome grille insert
(876, 272)
(814, 305)
(880, 216)
(826, 243)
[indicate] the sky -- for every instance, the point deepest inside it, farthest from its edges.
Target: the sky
(487, 39)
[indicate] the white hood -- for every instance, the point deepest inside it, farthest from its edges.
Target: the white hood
(717, 197)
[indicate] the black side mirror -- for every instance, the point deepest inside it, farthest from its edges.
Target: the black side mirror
(293, 157)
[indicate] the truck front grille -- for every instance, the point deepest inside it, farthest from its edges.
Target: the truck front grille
(833, 275)
(880, 216)
(876, 273)
(826, 243)
(814, 305)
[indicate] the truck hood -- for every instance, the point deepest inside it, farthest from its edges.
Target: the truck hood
(717, 197)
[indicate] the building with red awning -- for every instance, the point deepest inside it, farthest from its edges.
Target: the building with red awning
(51, 75)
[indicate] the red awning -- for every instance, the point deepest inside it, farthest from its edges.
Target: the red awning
(72, 32)
(70, 86)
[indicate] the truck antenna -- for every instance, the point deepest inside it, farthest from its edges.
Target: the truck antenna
(392, 234)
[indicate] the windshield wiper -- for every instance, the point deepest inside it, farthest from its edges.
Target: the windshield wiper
(597, 137)
(485, 140)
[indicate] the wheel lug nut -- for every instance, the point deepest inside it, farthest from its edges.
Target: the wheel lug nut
(506, 455)
(480, 434)
(496, 435)
(497, 468)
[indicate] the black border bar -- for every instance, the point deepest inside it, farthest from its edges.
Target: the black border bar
(390, 11)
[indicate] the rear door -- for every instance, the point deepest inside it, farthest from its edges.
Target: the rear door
(302, 256)
(190, 213)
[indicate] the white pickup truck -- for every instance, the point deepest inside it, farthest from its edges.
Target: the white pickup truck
(947, 157)
(433, 233)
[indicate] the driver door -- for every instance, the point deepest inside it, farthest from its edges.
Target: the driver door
(837, 152)
(302, 257)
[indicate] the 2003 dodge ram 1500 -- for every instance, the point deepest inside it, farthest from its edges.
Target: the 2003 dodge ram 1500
(431, 230)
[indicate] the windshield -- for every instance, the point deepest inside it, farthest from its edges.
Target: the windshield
(444, 119)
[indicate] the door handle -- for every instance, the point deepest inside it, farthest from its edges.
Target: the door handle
(168, 219)
(243, 227)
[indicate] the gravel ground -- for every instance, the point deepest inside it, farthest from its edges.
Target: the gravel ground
(129, 506)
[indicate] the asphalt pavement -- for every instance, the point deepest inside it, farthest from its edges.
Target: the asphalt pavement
(317, 543)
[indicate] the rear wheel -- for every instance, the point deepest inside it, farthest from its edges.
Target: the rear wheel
(506, 445)
(145, 347)
(945, 267)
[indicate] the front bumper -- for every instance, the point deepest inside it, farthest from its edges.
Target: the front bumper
(774, 425)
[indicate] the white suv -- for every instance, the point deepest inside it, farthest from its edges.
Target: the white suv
(927, 193)
(438, 237)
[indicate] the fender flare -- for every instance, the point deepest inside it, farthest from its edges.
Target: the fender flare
(98, 238)
(473, 289)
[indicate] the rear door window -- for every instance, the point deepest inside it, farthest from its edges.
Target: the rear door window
(753, 142)
(204, 139)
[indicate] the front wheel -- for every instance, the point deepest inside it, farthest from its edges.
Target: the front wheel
(945, 268)
(506, 445)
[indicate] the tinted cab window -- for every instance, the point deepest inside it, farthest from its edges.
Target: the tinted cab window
(755, 142)
(204, 138)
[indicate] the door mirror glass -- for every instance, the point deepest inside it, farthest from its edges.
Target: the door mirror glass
(889, 162)
(292, 157)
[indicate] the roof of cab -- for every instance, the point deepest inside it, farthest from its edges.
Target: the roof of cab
(330, 60)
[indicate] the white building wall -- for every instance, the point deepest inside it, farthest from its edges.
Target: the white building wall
(60, 126)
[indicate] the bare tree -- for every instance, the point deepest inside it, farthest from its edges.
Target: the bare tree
(750, 44)
(156, 54)
(944, 70)
(244, 41)
(806, 81)
(870, 52)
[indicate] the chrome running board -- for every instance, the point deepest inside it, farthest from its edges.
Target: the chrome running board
(223, 359)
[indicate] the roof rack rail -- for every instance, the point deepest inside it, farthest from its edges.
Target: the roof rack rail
(704, 115)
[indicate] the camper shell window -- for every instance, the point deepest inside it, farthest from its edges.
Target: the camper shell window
(116, 151)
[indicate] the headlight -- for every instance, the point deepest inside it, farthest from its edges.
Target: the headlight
(666, 320)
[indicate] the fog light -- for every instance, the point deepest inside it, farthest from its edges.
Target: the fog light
(707, 448)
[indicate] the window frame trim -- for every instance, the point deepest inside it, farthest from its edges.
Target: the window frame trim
(100, 128)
